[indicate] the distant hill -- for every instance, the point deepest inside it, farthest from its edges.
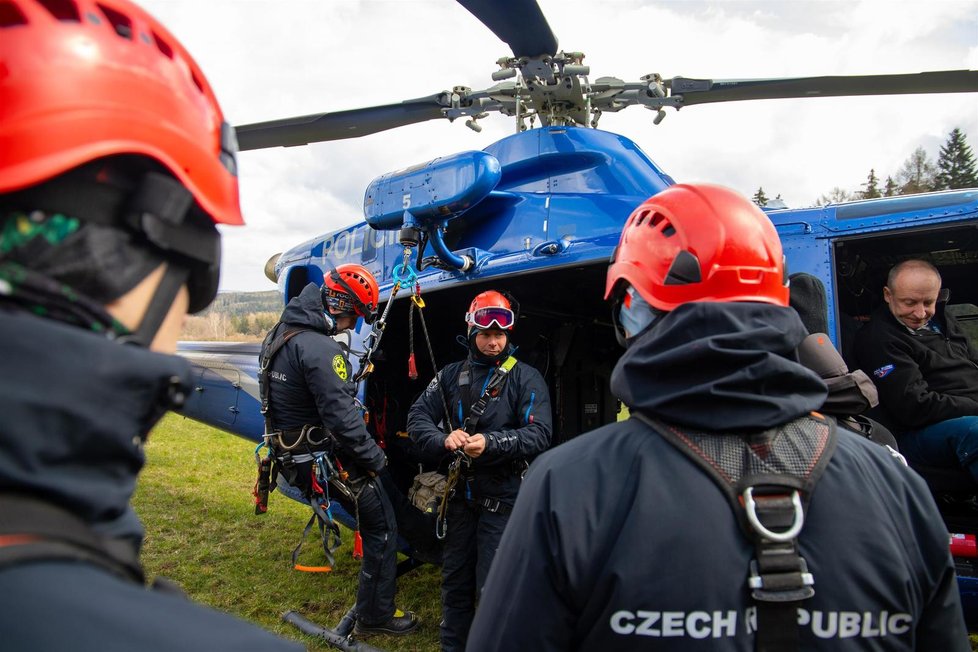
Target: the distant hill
(243, 303)
(235, 316)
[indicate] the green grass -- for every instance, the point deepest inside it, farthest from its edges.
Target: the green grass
(194, 498)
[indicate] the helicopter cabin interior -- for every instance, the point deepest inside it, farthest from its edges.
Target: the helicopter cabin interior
(861, 265)
(563, 329)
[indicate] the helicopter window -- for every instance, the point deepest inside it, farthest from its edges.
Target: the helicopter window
(64, 10)
(369, 249)
(862, 263)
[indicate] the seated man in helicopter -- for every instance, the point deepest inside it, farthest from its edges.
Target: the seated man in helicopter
(925, 370)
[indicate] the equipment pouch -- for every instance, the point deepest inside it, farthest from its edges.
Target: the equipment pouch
(427, 491)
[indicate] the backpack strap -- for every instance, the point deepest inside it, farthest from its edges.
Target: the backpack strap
(33, 530)
(270, 347)
(768, 478)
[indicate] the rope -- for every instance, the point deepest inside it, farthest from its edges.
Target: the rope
(377, 332)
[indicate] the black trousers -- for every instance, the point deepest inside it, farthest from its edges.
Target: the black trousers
(470, 545)
(378, 570)
(378, 529)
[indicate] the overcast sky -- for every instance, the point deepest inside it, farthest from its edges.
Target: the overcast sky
(270, 59)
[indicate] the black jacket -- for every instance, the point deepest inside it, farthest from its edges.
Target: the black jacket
(922, 377)
(310, 383)
(619, 541)
(75, 411)
(516, 424)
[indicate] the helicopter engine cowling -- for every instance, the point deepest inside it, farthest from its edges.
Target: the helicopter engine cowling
(432, 192)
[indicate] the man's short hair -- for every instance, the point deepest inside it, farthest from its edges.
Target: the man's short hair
(910, 263)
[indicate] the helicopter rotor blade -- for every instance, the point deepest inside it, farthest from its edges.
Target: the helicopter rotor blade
(353, 123)
(518, 23)
(704, 91)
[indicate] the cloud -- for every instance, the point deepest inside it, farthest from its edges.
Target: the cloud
(269, 59)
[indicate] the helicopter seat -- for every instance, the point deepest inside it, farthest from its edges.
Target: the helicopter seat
(945, 480)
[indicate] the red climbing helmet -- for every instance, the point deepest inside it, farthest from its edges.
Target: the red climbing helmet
(81, 80)
(699, 242)
(350, 288)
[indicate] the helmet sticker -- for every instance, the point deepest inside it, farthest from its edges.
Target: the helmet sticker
(883, 371)
(339, 366)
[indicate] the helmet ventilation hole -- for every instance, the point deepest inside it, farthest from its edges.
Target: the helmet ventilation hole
(64, 10)
(10, 15)
(121, 23)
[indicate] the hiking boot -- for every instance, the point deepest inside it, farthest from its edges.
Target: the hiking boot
(402, 622)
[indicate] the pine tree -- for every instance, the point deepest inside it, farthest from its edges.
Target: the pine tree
(872, 190)
(917, 173)
(760, 198)
(891, 188)
(956, 164)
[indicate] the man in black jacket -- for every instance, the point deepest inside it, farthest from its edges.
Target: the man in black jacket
(670, 531)
(115, 166)
(312, 412)
(925, 369)
(499, 418)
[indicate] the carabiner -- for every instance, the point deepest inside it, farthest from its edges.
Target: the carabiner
(409, 278)
(788, 534)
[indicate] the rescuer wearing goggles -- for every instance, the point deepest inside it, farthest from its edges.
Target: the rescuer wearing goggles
(498, 420)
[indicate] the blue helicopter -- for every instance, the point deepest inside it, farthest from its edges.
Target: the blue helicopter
(539, 214)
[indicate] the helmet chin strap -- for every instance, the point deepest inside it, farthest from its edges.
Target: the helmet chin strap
(174, 277)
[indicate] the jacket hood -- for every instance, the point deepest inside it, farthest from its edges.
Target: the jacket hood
(306, 309)
(76, 410)
(720, 367)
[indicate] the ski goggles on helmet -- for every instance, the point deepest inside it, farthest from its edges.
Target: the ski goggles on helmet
(493, 317)
(341, 302)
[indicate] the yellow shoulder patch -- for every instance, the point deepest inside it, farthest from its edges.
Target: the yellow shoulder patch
(339, 366)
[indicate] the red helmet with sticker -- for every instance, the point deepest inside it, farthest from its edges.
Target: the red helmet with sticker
(351, 289)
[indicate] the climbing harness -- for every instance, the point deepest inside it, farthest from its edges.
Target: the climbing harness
(768, 478)
(33, 530)
(288, 448)
(461, 464)
(492, 389)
